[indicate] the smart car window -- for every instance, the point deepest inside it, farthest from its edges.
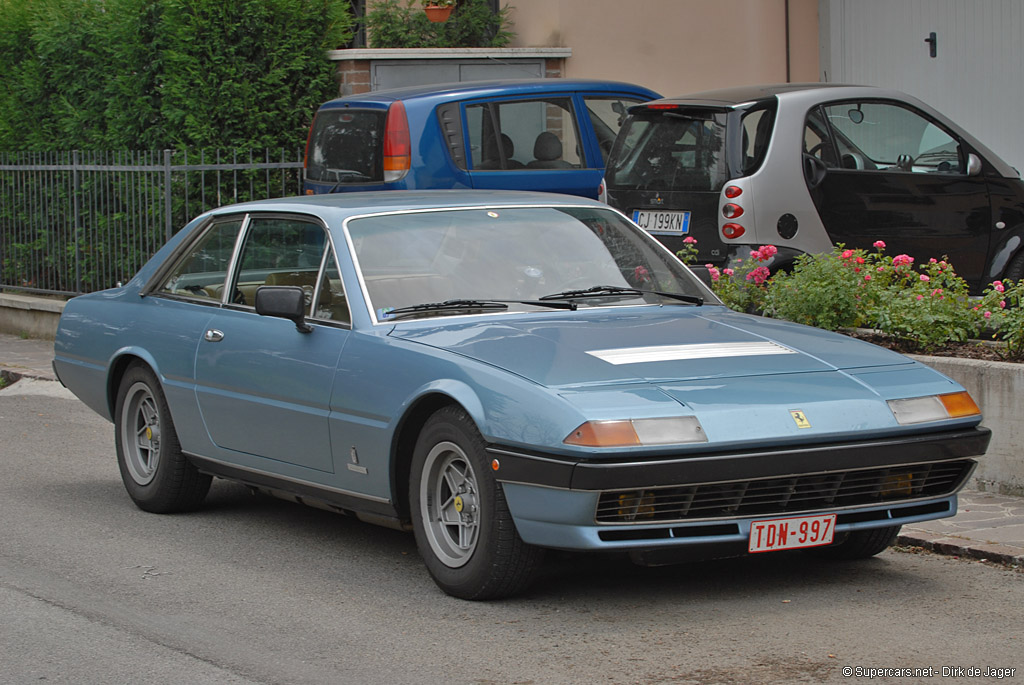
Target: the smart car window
(279, 251)
(523, 135)
(345, 146)
(202, 271)
(818, 140)
(892, 137)
(757, 132)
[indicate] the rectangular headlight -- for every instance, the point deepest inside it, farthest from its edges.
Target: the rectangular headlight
(933, 408)
(635, 432)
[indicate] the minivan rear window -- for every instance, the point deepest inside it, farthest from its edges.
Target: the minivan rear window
(671, 151)
(345, 146)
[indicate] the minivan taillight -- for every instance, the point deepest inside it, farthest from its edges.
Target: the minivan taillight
(397, 148)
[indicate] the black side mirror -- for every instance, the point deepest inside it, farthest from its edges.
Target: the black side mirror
(285, 302)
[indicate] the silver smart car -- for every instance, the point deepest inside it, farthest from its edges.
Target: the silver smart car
(805, 166)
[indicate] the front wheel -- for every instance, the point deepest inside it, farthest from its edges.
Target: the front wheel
(157, 476)
(463, 527)
(859, 544)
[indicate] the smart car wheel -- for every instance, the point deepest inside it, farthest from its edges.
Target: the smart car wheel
(859, 544)
(1015, 271)
(463, 527)
(157, 476)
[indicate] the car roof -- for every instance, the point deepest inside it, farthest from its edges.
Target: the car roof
(730, 97)
(468, 89)
(342, 205)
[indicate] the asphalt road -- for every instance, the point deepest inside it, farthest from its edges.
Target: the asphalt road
(255, 590)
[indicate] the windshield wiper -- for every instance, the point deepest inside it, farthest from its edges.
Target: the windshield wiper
(613, 290)
(466, 305)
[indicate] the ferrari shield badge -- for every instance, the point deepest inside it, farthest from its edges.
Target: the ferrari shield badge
(800, 418)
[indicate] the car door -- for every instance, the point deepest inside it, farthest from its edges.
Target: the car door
(881, 170)
(263, 387)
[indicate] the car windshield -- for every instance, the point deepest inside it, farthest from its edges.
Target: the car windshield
(513, 255)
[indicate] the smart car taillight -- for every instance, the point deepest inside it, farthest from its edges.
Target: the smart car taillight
(397, 147)
(733, 191)
(733, 230)
(732, 211)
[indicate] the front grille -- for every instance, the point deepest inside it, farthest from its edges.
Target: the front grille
(771, 496)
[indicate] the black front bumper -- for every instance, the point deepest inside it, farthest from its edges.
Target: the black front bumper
(576, 473)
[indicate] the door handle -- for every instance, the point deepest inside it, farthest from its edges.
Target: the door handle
(213, 335)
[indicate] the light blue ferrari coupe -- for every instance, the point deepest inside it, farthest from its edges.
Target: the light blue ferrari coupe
(504, 373)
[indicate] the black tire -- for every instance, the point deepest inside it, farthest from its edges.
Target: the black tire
(157, 476)
(1015, 270)
(463, 527)
(859, 544)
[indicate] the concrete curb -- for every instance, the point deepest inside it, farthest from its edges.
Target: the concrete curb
(962, 547)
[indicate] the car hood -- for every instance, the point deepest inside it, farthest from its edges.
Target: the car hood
(647, 344)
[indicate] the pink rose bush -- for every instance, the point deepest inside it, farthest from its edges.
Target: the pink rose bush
(920, 305)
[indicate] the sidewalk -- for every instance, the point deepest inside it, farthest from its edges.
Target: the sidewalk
(26, 358)
(987, 525)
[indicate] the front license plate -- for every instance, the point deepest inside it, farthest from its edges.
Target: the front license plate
(664, 223)
(791, 533)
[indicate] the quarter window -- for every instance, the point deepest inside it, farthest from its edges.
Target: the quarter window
(203, 270)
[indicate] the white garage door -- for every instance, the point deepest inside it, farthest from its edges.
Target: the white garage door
(974, 77)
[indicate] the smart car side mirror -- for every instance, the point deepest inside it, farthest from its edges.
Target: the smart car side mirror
(285, 302)
(973, 165)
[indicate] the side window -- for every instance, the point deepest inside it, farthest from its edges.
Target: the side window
(606, 116)
(202, 271)
(279, 251)
(757, 132)
(524, 134)
(890, 137)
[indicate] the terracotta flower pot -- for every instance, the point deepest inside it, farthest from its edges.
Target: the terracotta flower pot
(437, 13)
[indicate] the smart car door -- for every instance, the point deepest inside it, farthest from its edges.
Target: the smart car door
(881, 170)
(263, 386)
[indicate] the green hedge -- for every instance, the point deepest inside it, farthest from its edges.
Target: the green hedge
(154, 74)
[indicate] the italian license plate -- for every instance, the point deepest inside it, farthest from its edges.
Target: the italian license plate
(663, 223)
(791, 533)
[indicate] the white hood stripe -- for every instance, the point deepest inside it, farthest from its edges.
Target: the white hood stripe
(664, 353)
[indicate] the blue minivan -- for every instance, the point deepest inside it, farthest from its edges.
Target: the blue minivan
(530, 134)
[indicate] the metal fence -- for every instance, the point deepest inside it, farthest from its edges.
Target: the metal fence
(74, 222)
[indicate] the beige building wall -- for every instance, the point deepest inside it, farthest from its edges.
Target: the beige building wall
(676, 46)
